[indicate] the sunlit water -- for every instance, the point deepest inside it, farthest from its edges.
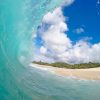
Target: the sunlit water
(18, 21)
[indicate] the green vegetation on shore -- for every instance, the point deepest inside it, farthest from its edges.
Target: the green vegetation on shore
(70, 66)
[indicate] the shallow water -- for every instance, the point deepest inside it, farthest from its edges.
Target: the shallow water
(18, 81)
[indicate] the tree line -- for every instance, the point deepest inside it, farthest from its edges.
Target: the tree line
(70, 66)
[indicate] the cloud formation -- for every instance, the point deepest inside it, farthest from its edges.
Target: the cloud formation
(57, 46)
(67, 2)
(79, 30)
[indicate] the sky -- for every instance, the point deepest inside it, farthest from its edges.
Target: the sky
(84, 14)
(70, 33)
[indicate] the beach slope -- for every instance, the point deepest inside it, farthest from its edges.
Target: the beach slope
(90, 73)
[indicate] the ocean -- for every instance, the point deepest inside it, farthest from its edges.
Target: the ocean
(18, 81)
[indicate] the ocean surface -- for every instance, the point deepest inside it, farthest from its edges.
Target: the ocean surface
(18, 81)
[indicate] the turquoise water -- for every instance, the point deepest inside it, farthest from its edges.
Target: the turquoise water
(18, 21)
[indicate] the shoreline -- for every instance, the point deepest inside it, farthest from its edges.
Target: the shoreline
(88, 74)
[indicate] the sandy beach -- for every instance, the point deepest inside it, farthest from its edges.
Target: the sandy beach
(90, 73)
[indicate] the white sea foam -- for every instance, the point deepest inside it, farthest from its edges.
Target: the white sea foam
(37, 67)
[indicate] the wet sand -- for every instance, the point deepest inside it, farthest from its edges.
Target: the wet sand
(90, 73)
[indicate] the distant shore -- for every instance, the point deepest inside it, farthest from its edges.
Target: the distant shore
(89, 73)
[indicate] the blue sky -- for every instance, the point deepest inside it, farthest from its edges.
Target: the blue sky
(83, 13)
(70, 33)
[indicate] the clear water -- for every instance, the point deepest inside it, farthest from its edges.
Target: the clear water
(18, 81)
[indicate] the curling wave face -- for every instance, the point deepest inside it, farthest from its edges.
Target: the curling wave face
(17, 20)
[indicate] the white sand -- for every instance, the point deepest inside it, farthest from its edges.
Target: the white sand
(90, 73)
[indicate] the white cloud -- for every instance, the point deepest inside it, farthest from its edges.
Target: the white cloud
(55, 40)
(57, 46)
(67, 2)
(79, 30)
(43, 50)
